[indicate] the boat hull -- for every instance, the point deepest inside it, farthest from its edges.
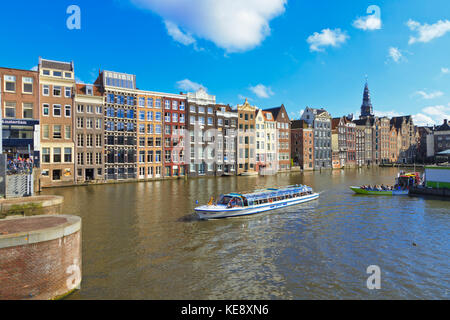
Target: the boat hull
(210, 212)
(358, 190)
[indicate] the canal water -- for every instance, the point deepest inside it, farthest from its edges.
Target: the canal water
(143, 241)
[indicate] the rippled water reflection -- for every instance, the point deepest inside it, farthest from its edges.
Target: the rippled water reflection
(142, 241)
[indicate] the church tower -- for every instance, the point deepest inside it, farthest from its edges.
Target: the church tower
(366, 108)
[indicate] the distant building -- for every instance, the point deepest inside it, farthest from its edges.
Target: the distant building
(271, 141)
(366, 107)
(346, 138)
(302, 144)
(201, 128)
(406, 130)
(320, 120)
(283, 126)
(442, 137)
(246, 138)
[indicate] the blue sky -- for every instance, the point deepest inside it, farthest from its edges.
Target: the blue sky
(299, 53)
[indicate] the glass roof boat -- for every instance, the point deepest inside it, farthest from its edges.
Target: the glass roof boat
(234, 204)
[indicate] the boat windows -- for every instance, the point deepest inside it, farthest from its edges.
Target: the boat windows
(224, 200)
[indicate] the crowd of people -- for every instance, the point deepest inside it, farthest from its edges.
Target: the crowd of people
(380, 188)
(19, 166)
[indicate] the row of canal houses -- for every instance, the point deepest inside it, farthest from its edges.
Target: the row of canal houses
(112, 131)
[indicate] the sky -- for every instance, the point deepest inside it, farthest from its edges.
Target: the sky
(297, 53)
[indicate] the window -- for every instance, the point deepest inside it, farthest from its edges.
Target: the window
(158, 103)
(167, 104)
(89, 140)
(149, 102)
(46, 72)
(69, 75)
(182, 105)
(10, 83)
(67, 154)
(68, 92)
(80, 123)
(57, 110)
(46, 90)
(89, 109)
(56, 91)
(57, 155)
(27, 84)
(57, 73)
(98, 109)
(45, 155)
(67, 111)
(45, 132)
(174, 105)
(57, 132)
(89, 123)
(98, 140)
(67, 132)
(10, 109)
(142, 102)
(98, 123)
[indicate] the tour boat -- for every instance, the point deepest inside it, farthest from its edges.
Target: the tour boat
(373, 192)
(234, 204)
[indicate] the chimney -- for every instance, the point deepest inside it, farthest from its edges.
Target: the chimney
(445, 121)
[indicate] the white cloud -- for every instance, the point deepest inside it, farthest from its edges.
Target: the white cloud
(368, 23)
(432, 115)
(389, 113)
(177, 34)
(395, 54)
(326, 37)
(233, 25)
(262, 91)
(431, 95)
(35, 68)
(445, 70)
(188, 85)
(426, 32)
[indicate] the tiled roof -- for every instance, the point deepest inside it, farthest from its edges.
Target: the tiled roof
(81, 89)
(66, 66)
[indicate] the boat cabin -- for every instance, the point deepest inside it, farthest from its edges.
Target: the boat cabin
(261, 197)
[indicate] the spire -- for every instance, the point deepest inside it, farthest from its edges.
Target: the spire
(366, 107)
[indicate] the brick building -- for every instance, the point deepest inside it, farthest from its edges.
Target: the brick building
(57, 86)
(302, 145)
(19, 102)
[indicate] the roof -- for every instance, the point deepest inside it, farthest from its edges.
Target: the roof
(274, 111)
(66, 66)
(299, 124)
(335, 122)
(444, 127)
(81, 89)
(266, 113)
(397, 121)
(445, 153)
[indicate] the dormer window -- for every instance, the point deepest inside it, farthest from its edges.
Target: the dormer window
(89, 90)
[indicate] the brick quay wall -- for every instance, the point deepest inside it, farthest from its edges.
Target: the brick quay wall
(40, 257)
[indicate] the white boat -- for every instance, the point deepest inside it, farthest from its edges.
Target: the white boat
(234, 204)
